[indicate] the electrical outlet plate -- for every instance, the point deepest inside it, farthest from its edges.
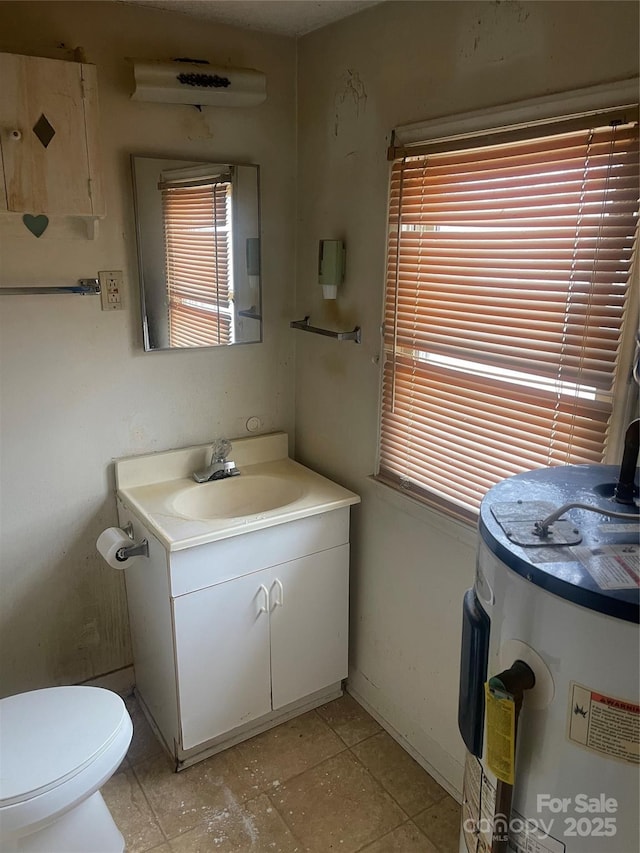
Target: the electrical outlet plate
(111, 282)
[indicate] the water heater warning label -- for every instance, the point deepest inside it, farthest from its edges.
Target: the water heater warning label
(604, 724)
(478, 807)
(501, 734)
(612, 566)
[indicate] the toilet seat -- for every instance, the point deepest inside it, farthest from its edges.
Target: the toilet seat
(49, 736)
(58, 746)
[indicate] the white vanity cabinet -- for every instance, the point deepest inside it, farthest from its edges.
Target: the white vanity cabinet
(234, 636)
(258, 643)
(240, 613)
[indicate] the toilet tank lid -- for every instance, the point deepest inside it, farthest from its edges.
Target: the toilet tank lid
(48, 736)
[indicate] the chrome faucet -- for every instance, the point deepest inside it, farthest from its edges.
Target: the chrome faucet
(219, 468)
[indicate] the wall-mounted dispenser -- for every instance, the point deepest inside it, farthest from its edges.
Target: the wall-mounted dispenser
(253, 256)
(197, 82)
(252, 248)
(331, 266)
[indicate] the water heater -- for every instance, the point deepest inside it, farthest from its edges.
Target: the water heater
(549, 685)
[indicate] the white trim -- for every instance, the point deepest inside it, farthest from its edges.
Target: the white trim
(560, 105)
(465, 532)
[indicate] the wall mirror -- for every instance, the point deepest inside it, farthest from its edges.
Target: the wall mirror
(198, 231)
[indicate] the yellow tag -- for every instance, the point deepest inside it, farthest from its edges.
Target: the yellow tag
(501, 734)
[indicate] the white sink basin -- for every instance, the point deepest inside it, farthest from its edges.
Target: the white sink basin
(235, 497)
(270, 490)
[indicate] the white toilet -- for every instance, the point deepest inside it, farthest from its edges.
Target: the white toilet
(57, 748)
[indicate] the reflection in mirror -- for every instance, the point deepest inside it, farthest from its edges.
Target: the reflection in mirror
(198, 228)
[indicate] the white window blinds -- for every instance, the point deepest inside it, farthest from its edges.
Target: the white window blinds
(197, 223)
(507, 283)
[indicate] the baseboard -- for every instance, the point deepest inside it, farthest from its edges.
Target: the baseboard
(441, 765)
(121, 681)
(269, 721)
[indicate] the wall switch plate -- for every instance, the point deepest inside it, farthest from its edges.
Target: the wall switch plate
(111, 282)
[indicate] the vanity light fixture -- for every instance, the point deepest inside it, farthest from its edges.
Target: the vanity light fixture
(188, 81)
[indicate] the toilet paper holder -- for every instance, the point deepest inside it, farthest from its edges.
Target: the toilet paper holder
(136, 549)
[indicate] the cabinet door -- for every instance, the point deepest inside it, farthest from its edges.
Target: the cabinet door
(222, 657)
(48, 136)
(309, 624)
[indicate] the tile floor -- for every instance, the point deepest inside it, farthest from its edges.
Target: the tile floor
(330, 780)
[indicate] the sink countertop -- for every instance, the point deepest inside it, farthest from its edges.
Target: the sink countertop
(152, 501)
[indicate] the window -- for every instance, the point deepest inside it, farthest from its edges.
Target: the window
(197, 223)
(508, 264)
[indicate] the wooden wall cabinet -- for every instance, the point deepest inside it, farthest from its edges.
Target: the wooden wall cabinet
(49, 137)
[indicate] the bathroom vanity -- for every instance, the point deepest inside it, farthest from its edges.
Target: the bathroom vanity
(239, 615)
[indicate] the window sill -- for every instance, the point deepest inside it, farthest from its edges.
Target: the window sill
(464, 532)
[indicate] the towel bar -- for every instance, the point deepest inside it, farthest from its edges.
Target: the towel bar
(354, 336)
(84, 286)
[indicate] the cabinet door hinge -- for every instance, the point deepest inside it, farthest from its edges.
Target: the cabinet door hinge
(83, 85)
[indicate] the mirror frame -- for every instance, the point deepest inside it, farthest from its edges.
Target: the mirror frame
(256, 258)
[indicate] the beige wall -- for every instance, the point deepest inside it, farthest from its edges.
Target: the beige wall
(393, 64)
(77, 389)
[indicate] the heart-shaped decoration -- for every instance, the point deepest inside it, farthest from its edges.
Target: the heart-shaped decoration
(36, 224)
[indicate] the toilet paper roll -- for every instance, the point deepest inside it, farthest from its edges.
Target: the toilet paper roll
(110, 542)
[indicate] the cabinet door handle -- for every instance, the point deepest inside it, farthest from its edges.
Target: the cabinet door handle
(279, 601)
(264, 608)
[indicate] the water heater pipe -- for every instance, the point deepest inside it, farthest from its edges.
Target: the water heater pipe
(509, 684)
(541, 528)
(625, 490)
